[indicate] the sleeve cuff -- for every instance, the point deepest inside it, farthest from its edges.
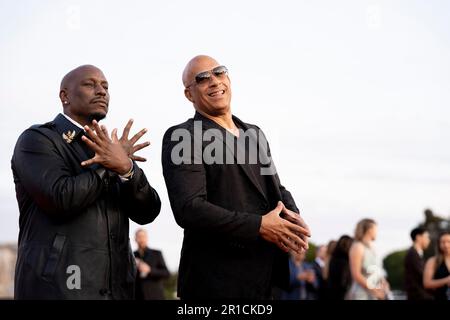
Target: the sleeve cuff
(129, 175)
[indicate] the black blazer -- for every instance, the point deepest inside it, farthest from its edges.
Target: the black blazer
(152, 287)
(414, 266)
(72, 217)
(220, 208)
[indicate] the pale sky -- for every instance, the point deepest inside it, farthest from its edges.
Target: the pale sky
(353, 95)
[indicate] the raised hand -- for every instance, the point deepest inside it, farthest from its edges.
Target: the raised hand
(108, 151)
(129, 144)
(285, 234)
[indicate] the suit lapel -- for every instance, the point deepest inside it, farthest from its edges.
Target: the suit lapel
(209, 124)
(71, 136)
(245, 166)
(273, 177)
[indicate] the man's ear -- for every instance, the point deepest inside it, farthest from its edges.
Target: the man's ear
(63, 97)
(188, 95)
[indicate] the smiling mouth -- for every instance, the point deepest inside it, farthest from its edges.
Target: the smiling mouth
(217, 93)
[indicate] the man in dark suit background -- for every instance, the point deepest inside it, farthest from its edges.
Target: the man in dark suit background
(414, 265)
(318, 265)
(75, 197)
(152, 269)
(227, 200)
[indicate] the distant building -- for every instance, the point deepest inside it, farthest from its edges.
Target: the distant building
(8, 256)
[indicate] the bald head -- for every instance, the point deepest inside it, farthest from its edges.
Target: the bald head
(196, 65)
(75, 75)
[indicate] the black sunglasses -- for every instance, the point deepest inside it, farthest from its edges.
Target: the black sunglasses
(203, 77)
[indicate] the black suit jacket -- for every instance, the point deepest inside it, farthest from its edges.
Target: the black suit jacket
(220, 208)
(414, 265)
(74, 220)
(152, 287)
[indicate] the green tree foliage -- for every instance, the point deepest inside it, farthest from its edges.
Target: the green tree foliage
(393, 264)
(170, 287)
(311, 253)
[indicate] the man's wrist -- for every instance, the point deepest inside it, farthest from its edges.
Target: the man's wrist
(129, 173)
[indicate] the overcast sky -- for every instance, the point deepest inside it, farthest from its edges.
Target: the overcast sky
(352, 95)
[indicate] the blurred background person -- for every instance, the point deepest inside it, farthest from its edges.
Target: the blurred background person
(330, 248)
(436, 275)
(368, 282)
(339, 276)
(302, 279)
(414, 265)
(152, 269)
(318, 266)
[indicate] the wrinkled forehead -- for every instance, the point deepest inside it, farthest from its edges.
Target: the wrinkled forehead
(80, 74)
(74, 78)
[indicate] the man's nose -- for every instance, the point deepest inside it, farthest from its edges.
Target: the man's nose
(101, 91)
(213, 80)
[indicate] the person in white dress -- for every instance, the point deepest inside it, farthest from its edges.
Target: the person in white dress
(368, 281)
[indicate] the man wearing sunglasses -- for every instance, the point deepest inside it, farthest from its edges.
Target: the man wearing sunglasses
(235, 239)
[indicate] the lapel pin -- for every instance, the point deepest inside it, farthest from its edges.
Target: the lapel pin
(68, 137)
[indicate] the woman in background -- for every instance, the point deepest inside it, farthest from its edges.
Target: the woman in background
(436, 275)
(368, 282)
(330, 249)
(339, 277)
